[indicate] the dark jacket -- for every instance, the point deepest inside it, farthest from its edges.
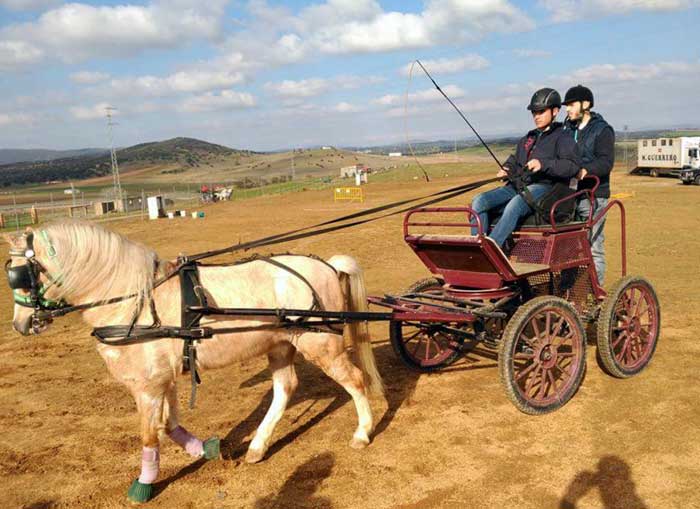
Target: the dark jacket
(555, 149)
(596, 142)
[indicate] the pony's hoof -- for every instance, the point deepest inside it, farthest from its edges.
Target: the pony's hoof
(140, 493)
(212, 448)
(254, 456)
(358, 443)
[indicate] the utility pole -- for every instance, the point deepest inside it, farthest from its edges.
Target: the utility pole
(455, 145)
(293, 169)
(14, 204)
(627, 166)
(115, 165)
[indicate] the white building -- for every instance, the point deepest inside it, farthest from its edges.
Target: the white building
(395, 154)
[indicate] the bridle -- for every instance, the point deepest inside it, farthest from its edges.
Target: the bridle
(27, 278)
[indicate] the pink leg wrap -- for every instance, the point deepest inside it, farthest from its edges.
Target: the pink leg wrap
(188, 442)
(150, 459)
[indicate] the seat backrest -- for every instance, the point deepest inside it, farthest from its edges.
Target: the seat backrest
(466, 261)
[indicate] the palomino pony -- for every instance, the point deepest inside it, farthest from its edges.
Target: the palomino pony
(80, 263)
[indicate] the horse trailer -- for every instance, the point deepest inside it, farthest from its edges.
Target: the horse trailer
(667, 156)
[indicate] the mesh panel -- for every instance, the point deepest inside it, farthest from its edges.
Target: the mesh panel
(569, 250)
(529, 249)
(573, 285)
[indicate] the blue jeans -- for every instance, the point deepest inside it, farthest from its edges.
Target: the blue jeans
(516, 208)
(597, 237)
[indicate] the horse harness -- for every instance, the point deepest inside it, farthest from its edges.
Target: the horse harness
(194, 306)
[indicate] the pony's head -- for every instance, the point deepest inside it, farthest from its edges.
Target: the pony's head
(30, 283)
(74, 263)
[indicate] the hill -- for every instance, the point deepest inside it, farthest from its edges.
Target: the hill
(177, 152)
(17, 155)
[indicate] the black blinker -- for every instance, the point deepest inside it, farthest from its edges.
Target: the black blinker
(18, 278)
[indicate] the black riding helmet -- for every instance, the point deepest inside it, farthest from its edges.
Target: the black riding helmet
(578, 93)
(544, 99)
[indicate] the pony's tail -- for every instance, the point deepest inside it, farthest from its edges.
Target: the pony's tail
(353, 284)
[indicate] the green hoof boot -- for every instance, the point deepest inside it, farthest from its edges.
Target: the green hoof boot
(212, 448)
(140, 493)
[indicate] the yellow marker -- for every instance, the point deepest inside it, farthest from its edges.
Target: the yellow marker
(348, 193)
(621, 196)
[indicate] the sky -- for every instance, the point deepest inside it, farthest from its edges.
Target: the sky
(270, 75)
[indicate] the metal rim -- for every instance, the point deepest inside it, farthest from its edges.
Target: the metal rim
(547, 356)
(634, 327)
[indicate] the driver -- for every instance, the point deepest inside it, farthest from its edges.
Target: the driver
(545, 161)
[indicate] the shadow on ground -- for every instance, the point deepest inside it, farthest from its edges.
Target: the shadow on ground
(612, 479)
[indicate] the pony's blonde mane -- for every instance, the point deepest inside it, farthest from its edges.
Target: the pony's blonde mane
(97, 264)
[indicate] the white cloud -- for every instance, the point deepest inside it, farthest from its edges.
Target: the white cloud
(478, 104)
(93, 112)
(17, 54)
(88, 77)
(500, 103)
(179, 82)
(225, 100)
(471, 62)
(572, 10)
(532, 53)
(424, 96)
(75, 31)
(16, 119)
(343, 107)
(302, 88)
(615, 73)
(350, 82)
(366, 28)
(290, 89)
(276, 36)
(28, 5)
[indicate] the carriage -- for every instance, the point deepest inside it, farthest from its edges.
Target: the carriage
(533, 306)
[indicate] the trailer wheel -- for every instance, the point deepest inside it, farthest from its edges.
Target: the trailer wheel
(654, 173)
(628, 327)
(424, 346)
(697, 180)
(543, 355)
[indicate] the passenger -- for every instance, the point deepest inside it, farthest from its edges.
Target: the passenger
(596, 142)
(545, 158)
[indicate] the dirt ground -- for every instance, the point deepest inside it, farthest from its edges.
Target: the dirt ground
(452, 439)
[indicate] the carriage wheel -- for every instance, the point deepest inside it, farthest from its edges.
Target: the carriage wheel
(628, 327)
(543, 355)
(424, 346)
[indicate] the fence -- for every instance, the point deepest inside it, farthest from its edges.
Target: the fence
(184, 196)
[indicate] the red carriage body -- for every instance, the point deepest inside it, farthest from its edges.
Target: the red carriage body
(531, 304)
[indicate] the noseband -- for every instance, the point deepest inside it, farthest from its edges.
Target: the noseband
(27, 277)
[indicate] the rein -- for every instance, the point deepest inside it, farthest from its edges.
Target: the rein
(27, 277)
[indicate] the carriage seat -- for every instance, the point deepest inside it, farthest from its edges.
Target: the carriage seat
(469, 255)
